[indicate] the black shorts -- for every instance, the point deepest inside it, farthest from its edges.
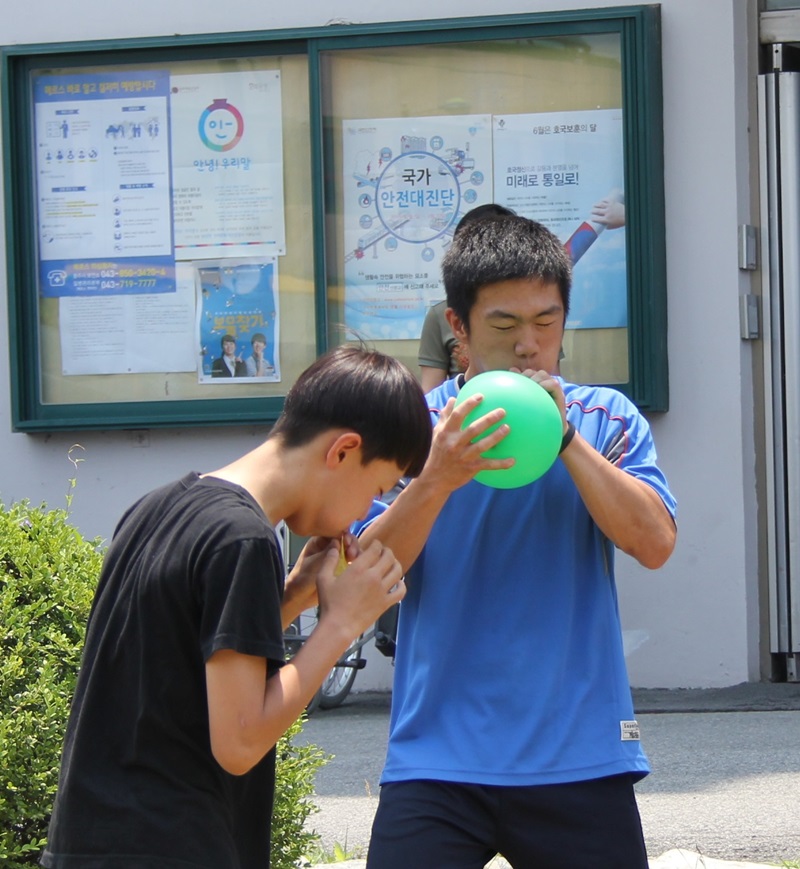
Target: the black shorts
(445, 825)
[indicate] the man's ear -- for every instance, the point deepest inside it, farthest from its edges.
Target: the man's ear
(342, 447)
(458, 326)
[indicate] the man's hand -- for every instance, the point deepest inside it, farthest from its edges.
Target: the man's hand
(454, 459)
(549, 382)
(456, 453)
(626, 509)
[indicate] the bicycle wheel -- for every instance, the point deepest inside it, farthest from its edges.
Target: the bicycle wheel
(340, 680)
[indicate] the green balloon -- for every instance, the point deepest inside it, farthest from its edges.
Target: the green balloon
(534, 419)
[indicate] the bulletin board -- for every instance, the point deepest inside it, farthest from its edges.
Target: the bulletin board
(191, 222)
(422, 134)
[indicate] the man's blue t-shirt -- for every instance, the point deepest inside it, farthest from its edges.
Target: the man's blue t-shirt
(510, 667)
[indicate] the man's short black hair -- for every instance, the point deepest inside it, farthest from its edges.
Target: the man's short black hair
(502, 248)
(259, 336)
(366, 392)
(481, 212)
(226, 338)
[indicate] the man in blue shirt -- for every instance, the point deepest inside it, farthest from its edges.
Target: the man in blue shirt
(512, 725)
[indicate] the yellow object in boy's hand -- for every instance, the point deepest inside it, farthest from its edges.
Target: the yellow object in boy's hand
(342, 563)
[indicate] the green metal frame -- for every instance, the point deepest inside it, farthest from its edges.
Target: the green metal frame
(639, 29)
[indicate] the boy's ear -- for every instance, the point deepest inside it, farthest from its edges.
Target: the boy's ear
(457, 325)
(343, 446)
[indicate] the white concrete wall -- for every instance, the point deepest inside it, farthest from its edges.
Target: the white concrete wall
(695, 609)
(691, 617)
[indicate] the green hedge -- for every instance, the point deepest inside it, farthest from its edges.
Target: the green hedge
(48, 574)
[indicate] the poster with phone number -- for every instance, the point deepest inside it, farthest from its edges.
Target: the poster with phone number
(103, 186)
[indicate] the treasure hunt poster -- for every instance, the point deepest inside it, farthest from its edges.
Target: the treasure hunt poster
(239, 321)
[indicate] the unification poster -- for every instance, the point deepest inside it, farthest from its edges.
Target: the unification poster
(238, 321)
(103, 187)
(566, 169)
(227, 164)
(407, 182)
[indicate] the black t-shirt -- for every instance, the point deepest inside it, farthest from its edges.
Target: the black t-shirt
(193, 567)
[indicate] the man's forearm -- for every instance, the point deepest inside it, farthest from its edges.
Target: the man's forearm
(628, 511)
(405, 526)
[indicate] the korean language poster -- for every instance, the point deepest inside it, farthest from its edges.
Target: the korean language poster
(407, 182)
(140, 177)
(238, 321)
(565, 169)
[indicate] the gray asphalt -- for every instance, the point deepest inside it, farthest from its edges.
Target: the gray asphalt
(725, 780)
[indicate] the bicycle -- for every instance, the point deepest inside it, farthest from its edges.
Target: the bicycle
(340, 679)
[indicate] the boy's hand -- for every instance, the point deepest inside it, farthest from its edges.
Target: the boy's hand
(247, 712)
(370, 584)
(300, 591)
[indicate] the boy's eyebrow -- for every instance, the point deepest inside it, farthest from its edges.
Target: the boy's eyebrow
(499, 313)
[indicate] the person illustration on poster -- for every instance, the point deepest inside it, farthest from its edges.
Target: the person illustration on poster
(228, 364)
(608, 213)
(257, 364)
(239, 299)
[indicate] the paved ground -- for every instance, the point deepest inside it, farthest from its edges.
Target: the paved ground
(725, 782)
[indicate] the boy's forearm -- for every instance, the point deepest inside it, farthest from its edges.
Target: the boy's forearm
(247, 711)
(290, 610)
(242, 734)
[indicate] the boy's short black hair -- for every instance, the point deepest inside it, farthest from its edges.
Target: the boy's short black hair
(226, 339)
(366, 392)
(259, 336)
(491, 249)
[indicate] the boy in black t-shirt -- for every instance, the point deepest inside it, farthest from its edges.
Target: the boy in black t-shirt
(183, 691)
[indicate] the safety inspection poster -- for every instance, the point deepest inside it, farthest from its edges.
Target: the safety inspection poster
(407, 182)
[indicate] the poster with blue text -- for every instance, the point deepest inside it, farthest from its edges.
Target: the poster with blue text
(227, 164)
(238, 321)
(103, 183)
(407, 182)
(565, 169)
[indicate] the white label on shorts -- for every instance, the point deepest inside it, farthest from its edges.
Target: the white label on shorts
(629, 730)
